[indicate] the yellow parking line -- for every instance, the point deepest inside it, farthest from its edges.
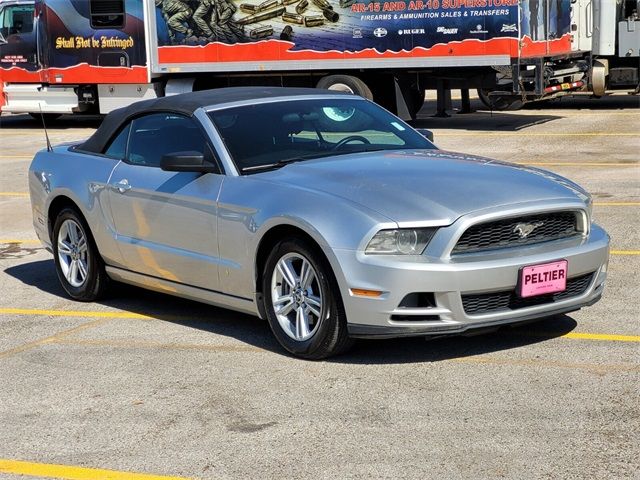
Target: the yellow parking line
(16, 156)
(17, 240)
(14, 194)
(602, 336)
(74, 313)
(70, 472)
(625, 252)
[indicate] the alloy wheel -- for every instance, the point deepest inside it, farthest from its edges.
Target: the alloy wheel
(73, 253)
(296, 296)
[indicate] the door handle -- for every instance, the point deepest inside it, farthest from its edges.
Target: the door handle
(122, 186)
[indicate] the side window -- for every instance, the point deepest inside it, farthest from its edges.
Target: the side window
(118, 146)
(107, 13)
(16, 19)
(158, 134)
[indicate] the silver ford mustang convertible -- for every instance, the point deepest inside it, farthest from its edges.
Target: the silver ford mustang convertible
(318, 211)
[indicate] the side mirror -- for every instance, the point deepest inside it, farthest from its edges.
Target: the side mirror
(428, 134)
(186, 162)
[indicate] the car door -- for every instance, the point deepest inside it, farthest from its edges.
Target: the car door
(165, 222)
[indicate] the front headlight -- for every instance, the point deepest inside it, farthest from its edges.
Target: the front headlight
(404, 241)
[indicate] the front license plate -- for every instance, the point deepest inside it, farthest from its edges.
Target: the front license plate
(541, 279)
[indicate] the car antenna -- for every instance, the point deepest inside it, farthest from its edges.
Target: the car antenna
(46, 135)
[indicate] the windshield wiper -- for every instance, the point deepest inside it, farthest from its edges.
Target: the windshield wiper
(286, 161)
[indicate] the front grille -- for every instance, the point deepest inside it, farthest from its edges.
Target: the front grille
(505, 233)
(508, 300)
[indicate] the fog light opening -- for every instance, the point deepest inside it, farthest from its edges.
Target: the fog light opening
(418, 300)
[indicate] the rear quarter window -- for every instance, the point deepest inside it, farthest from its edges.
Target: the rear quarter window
(118, 146)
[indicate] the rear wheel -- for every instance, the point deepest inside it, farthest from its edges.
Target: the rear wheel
(79, 266)
(345, 83)
(302, 302)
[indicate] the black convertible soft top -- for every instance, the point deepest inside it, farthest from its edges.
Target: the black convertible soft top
(186, 104)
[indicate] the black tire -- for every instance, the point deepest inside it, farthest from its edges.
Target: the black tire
(415, 101)
(328, 335)
(345, 83)
(94, 284)
(355, 120)
(48, 117)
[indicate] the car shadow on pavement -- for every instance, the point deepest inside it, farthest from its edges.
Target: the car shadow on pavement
(41, 274)
(437, 349)
(255, 332)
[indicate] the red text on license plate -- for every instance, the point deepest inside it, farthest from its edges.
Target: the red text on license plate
(545, 278)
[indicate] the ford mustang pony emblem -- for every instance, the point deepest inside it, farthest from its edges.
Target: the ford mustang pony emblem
(525, 229)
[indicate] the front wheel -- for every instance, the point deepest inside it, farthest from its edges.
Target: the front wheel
(78, 264)
(302, 302)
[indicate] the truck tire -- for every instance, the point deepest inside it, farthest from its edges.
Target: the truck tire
(345, 83)
(415, 102)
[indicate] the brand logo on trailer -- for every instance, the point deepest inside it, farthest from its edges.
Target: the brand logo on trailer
(509, 28)
(525, 229)
(380, 32)
(447, 31)
(478, 29)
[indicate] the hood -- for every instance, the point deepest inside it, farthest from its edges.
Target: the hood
(411, 186)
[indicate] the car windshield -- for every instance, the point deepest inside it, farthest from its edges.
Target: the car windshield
(268, 135)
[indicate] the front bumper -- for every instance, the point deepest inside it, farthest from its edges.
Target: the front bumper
(447, 279)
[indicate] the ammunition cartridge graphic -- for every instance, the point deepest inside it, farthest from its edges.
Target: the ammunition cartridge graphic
(288, 2)
(248, 8)
(302, 6)
(260, 16)
(323, 4)
(313, 21)
(287, 33)
(268, 5)
(293, 18)
(346, 3)
(330, 15)
(261, 32)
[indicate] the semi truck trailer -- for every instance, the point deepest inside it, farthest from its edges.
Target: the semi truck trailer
(92, 56)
